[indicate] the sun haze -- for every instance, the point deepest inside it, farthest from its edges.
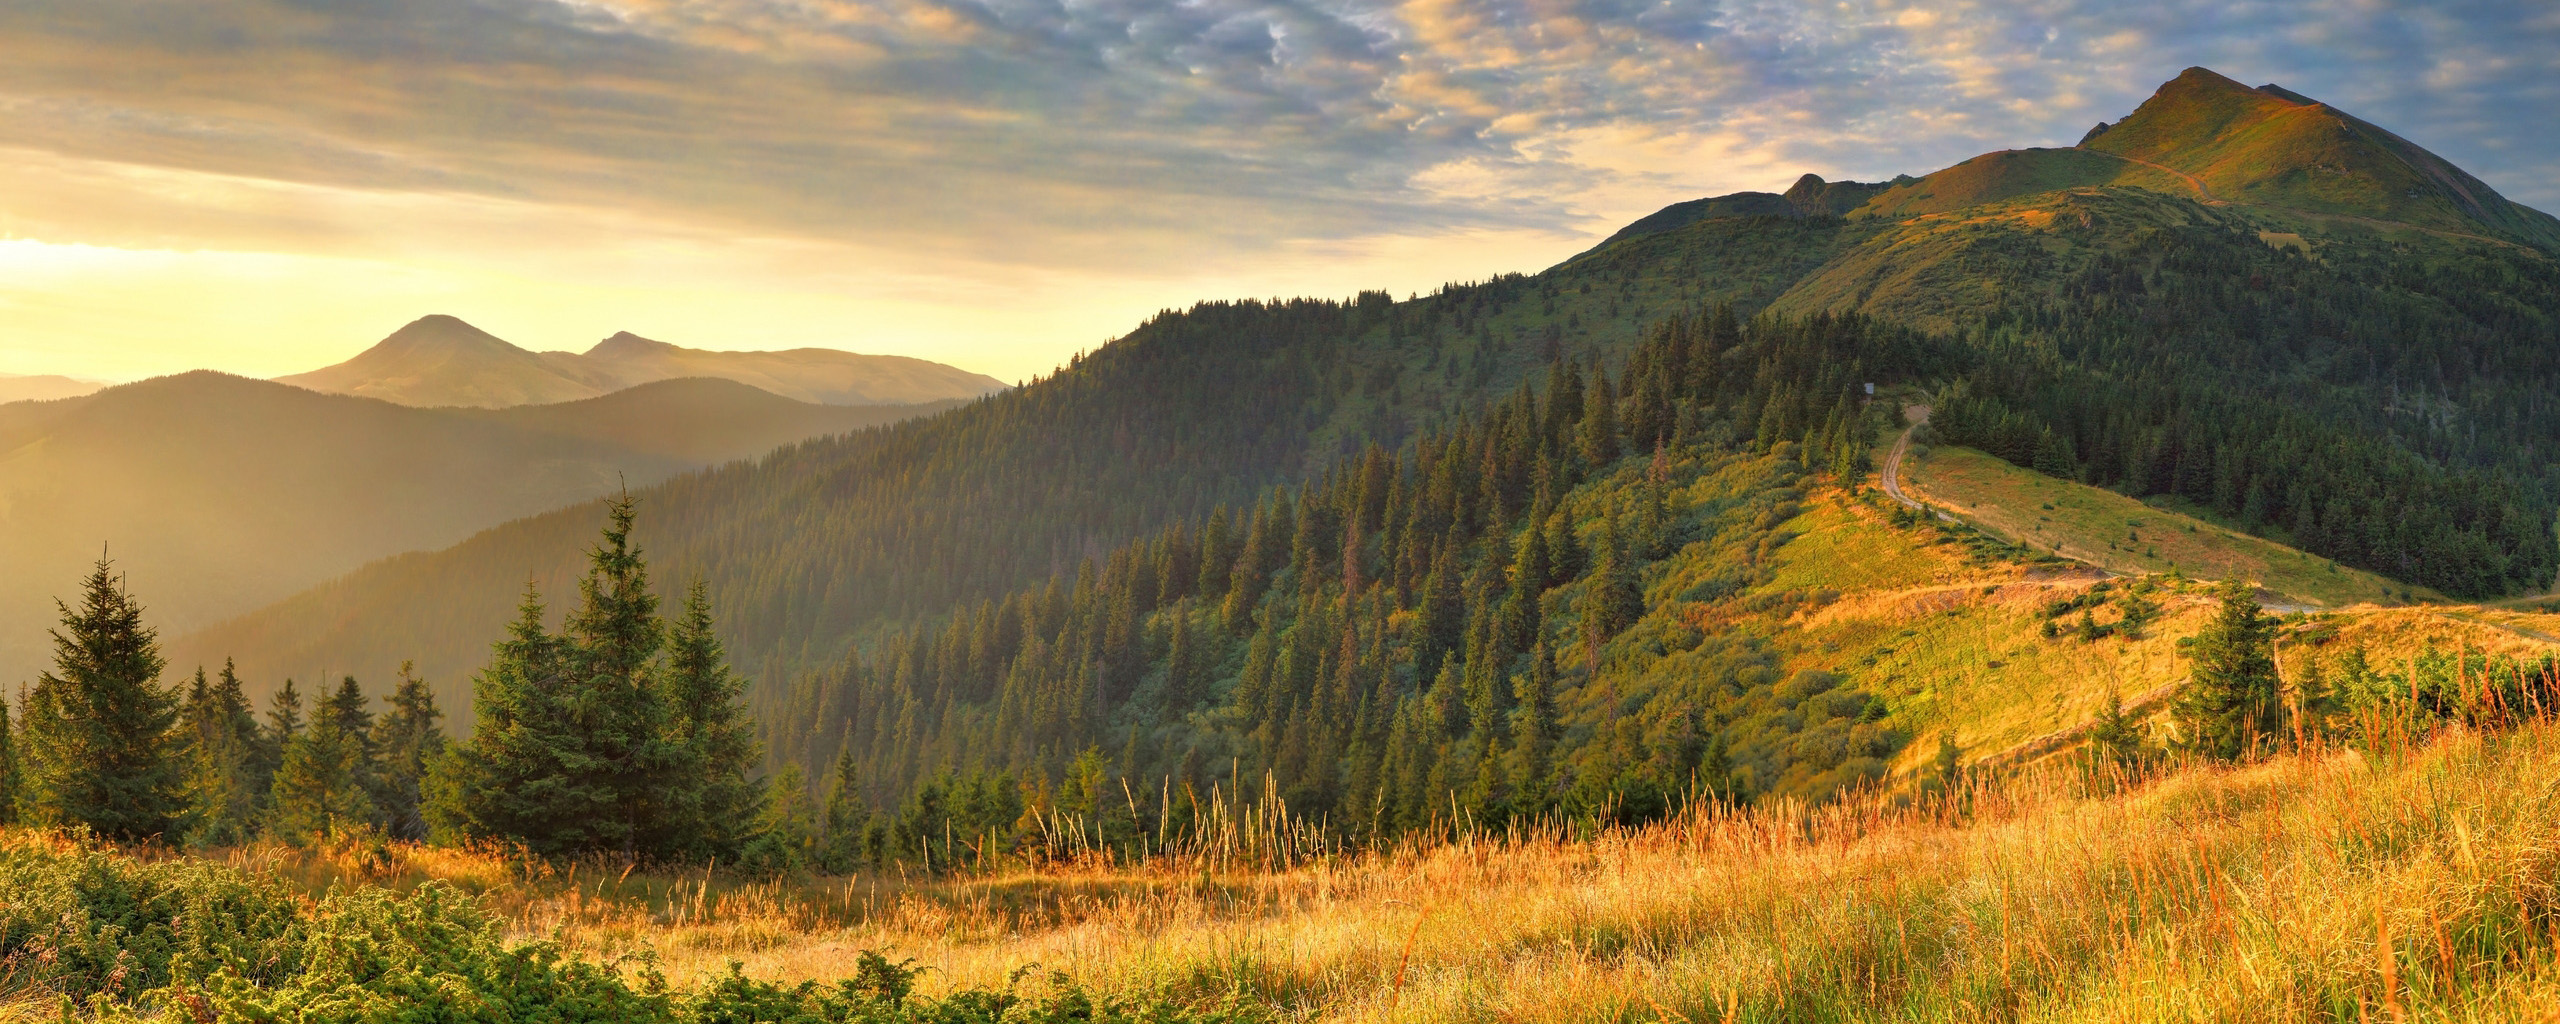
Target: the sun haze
(265, 187)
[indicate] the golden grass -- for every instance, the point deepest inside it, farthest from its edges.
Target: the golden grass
(2106, 529)
(2332, 884)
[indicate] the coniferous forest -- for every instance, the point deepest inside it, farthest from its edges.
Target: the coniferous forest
(1564, 590)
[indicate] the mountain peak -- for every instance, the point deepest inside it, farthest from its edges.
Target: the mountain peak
(2271, 146)
(625, 344)
(441, 331)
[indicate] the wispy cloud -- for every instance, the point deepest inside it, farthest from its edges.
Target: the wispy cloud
(1146, 136)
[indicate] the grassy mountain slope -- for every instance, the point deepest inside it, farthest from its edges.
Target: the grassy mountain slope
(438, 361)
(1947, 621)
(2273, 147)
(218, 494)
(2011, 173)
(2105, 529)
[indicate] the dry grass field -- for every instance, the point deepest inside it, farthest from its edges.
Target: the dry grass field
(2415, 880)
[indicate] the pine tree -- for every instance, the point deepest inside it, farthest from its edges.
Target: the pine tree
(1615, 600)
(2231, 700)
(406, 740)
(786, 833)
(319, 790)
(284, 722)
(620, 758)
(714, 797)
(1599, 442)
(616, 735)
(100, 747)
(848, 816)
(1533, 734)
(11, 786)
(221, 735)
(507, 782)
(2115, 739)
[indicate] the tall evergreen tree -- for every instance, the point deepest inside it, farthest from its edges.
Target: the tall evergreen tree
(713, 797)
(1533, 734)
(848, 816)
(1615, 599)
(2232, 699)
(319, 790)
(221, 735)
(616, 735)
(406, 740)
(508, 783)
(284, 722)
(100, 747)
(11, 786)
(620, 757)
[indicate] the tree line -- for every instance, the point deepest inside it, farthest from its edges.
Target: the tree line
(622, 733)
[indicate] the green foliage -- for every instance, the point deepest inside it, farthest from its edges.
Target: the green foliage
(223, 781)
(602, 738)
(406, 741)
(180, 941)
(12, 783)
(2147, 360)
(713, 739)
(2231, 704)
(1391, 659)
(320, 790)
(100, 749)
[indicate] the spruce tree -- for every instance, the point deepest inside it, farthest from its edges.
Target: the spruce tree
(785, 836)
(848, 816)
(1533, 734)
(508, 783)
(284, 722)
(319, 790)
(406, 740)
(221, 734)
(1615, 599)
(615, 735)
(712, 797)
(2231, 700)
(100, 747)
(619, 759)
(10, 787)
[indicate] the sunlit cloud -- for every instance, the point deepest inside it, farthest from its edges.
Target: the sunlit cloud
(893, 170)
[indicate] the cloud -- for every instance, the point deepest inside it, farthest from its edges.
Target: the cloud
(1145, 137)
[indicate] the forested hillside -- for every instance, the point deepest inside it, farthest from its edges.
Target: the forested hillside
(1505, 620)
(2368, 391)
(818, 544)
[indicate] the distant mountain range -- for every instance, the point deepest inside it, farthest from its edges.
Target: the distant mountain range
(217, 494)
(442, 361)
(43, 387)
(2235, 300)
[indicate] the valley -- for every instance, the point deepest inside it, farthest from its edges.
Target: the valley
(2023, 591)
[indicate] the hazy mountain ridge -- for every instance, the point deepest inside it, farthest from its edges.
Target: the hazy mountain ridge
(43, 387)
(219, 493)
(439, 360)
(2049, 246)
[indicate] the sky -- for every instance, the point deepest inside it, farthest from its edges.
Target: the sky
(267, 187)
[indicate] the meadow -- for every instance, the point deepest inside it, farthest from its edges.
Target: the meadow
(2399, 878)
